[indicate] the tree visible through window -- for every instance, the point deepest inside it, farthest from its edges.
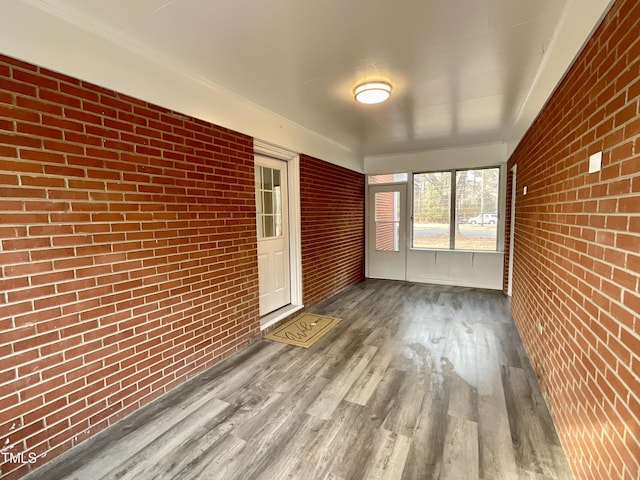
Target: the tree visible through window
(471, 225)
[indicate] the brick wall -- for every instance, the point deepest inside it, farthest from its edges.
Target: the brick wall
(577, 251)
(332, 208)
(127, 256)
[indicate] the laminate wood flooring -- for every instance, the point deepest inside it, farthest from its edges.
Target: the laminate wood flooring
(416, 382)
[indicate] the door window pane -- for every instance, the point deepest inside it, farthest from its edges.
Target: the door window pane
(387, 218)
(267, 226)
(267, 178)
(387, 236)
(268, 202)
(431, 210)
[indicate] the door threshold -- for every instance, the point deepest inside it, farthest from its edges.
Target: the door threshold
(274, 317)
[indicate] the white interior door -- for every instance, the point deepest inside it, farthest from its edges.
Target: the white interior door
(387, 235)
(273, 234)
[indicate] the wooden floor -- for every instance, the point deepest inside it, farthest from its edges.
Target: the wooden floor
(416, 382)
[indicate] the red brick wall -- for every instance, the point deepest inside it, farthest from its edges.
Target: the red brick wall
(577, 251)
(127, 256)
(332, 208)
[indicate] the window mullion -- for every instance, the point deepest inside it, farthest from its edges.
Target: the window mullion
(452, 213)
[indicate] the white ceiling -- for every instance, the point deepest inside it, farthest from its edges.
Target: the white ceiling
(462, 70)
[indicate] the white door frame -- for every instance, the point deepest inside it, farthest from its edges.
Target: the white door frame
(512, 229)
(274, 277)
(295, 243)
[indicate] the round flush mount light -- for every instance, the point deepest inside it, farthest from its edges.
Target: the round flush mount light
(372, 92)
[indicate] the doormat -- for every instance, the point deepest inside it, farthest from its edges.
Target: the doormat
(303, 330)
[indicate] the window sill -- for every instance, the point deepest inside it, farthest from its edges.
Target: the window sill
(448, 250)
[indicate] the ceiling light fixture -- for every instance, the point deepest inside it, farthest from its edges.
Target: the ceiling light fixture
(372, 92)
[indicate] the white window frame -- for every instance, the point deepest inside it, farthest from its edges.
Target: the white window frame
(499, 226)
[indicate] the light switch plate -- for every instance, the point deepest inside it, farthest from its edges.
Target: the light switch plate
(595, 162)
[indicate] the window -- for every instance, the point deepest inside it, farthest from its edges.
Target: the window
(388, 178)
(268, 202)
(471, 225)
(387, 218)
(431, 210)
